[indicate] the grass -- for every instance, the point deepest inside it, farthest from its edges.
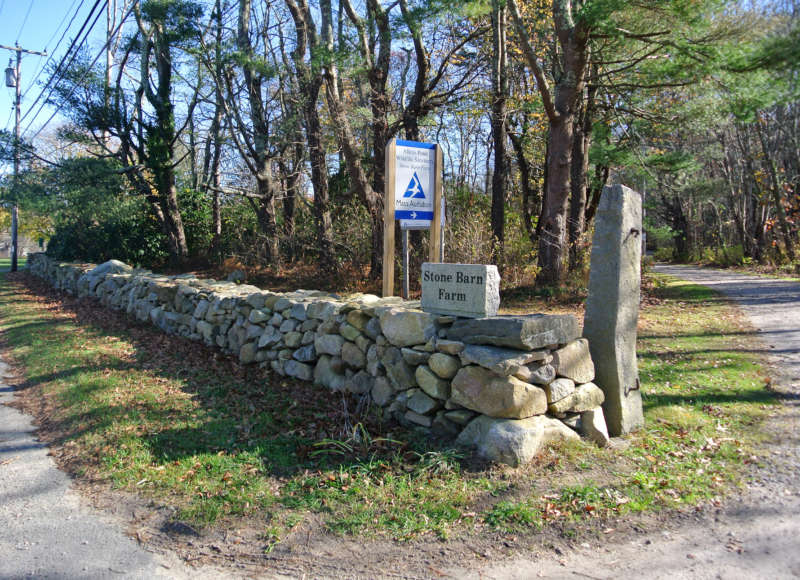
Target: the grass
(185, 427)
(5, 263)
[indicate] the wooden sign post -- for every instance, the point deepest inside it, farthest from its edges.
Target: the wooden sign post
(412, 191)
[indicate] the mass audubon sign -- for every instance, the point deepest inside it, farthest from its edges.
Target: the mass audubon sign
(413, 195)
(469, 290)
(414, 181)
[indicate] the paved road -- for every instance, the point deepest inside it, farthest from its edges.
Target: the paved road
(46, 529)
(757, 535)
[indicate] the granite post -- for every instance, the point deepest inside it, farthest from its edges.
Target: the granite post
(612, 308)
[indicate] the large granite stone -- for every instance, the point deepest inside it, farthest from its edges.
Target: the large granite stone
(585, 397)
(529, 332)
(537, 374)
(559, 389)
(502, 361)
(407, 327)
(444, 365)
(256, 316)
(349, 331)
(382, 391)
(300, 311)
(471, 290)
(293, 339)
(417, 419)
(322, 310)
(431, 383)
(612, 308)
(513, 442)
(400, 373)
(449, 346)
(358, 319)
(269, 337)
(305, 354)
(593, 426)
(329, 344)
(415, 357)
(483, 391)
(421, 403)
(352, 356)
(359, 383)
(573, 361)
(298, 370)
(247, 353)
(109, 267)
(325, 374)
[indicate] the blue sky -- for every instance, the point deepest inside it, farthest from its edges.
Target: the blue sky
(38, 25)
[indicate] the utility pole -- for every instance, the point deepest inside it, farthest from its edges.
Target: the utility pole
(13, 80)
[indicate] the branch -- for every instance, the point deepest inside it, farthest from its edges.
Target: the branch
(533, 62)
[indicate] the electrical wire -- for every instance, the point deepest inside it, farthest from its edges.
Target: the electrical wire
(38, 72)
(89, 68)
(10, 116)
(54, 78)
(24, 21)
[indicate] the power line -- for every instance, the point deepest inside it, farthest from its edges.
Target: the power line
(54, 78)
(55, 49)
(24, 21)
(70, 53)
(89, 68)
(10, 116)
(68, 25)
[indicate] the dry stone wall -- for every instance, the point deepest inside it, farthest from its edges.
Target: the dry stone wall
(503, 385)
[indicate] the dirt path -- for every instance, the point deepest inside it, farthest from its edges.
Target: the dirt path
(754, 536)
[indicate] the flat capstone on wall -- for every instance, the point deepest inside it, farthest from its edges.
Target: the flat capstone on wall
(503, 385)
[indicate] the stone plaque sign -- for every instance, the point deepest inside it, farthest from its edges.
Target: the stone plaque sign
(470, 290)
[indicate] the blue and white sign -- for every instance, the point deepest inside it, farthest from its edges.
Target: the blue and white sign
(414, 180)
(421, 224)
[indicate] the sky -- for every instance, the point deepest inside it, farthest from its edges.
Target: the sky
(38, 25)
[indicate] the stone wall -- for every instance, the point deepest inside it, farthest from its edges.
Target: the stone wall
(504, 385)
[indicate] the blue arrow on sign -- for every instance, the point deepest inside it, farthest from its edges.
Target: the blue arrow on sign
(414, 189)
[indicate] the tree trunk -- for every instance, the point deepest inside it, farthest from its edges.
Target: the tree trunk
(579, 176)
(777, 198)
(212, 160)
(160, 143)
(372, 200)
(261, 158)
(531, 196)
(498, 122)
(573, 39)
(291, 173)
(309, 83)
(552, 241)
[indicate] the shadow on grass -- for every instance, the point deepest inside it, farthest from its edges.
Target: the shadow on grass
(762, 396)
(36, 380)
(688, 292)
(239, 409)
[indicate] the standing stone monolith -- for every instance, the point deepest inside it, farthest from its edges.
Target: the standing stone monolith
(612, 309)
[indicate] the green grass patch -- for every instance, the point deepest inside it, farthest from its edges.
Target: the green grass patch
(183, 426)
(5, 263)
